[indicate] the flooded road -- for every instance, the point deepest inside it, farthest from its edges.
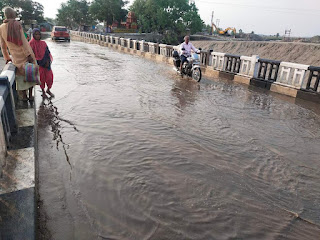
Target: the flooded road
(129, 150)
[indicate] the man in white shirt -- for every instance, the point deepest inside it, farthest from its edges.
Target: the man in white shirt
(185, 50)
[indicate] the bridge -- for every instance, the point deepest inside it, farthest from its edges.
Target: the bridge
(128, 149)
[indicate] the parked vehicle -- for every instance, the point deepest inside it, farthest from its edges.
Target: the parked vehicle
(190, 68)
(60, 33)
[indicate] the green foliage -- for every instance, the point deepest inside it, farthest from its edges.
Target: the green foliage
(27, 10)
(74, 13)
(173, 18)
(108, 10)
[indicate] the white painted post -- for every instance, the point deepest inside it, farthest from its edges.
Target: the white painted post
(163, 49)
(142, 45)
(116, 40)
(134, 42)
(129, 43)
(122, 42)
(254, 68)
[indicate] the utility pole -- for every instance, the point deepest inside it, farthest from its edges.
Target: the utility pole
(212, 22)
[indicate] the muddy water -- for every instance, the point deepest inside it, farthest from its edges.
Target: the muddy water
(129, 150)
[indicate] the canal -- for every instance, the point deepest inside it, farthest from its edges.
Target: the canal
(129, 150)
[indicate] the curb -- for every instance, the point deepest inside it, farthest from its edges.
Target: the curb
(17, 178)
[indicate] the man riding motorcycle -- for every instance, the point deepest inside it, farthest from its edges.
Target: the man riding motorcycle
(185, 50)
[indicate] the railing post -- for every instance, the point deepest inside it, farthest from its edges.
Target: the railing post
(142, 45)
(134, 44)
(254, 68)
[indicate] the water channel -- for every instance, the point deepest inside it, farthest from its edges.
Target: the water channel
(129, 150)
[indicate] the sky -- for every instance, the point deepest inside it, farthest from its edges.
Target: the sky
(263, 17)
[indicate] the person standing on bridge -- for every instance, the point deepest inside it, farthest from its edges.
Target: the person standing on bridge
(12, 38)
(44, 60)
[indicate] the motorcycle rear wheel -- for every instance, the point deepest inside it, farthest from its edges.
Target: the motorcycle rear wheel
(196, 74)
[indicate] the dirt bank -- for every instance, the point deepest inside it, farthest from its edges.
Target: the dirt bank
(303, 53)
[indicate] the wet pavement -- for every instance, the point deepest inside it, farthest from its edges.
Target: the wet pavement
(129, 150)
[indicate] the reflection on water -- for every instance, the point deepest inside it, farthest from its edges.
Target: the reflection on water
(186, 92)
(49, 116)
(155, 156)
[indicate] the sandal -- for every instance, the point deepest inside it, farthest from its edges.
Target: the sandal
(50, 93)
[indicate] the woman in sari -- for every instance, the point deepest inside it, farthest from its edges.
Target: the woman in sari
(44, 60)
(12, 38)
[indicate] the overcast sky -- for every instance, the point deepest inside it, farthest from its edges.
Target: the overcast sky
(263, 17)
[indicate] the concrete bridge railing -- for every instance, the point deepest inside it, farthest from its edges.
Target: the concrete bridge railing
(8, 121)
(265, 73)
(292, 74)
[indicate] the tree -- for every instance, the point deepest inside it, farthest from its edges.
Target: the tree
(169, 17)
(38, 12)
(10, 3)
(108, 10)
(27, 10)
(74, 13)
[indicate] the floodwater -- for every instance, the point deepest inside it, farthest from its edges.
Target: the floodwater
(129, 150)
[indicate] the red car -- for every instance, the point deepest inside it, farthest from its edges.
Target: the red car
(60, 33)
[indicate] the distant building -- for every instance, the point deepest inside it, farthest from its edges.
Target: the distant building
(130, 24)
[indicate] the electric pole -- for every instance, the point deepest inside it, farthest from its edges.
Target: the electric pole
(212, 22)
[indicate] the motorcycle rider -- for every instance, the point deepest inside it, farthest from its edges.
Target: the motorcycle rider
(185, 50)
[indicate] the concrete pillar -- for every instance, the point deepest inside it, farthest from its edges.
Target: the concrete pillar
(128, 43)
(254, 68)
(134, 43)
(122, 42)
(142, 45)
(163, 49)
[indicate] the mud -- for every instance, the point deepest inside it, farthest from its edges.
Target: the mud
(303, 53)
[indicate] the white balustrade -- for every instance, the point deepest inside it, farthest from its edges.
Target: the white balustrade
(153, 47)
(249, 66)
(163, 49)
(122, 42)
(292, 74)
(135, 44)
(116, 40)
(142, 46)
(218, 61)
(128, 43)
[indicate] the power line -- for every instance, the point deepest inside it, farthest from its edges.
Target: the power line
(261, 7)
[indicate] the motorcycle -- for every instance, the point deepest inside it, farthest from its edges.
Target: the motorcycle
(190, 68)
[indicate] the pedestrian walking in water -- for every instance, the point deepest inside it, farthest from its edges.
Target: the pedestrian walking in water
(44, 60)
(12, 38)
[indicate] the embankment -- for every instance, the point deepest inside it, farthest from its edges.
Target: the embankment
(303, 53)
